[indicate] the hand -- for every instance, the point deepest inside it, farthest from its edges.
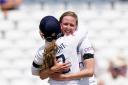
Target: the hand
(60, 67)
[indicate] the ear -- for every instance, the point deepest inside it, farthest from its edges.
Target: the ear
(41, 34)
(61, 26)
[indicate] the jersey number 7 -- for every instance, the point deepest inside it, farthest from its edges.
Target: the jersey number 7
(61, 58)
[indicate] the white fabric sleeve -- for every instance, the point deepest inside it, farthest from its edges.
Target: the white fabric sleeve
(38, 60)
(86, 46)
(35, 71)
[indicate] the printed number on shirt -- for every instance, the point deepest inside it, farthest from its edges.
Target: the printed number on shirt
(61, 58)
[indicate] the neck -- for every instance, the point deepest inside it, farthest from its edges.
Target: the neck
(47, 43)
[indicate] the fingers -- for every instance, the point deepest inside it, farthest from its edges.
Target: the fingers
(60, 67)
(59, 61)
(66, 66)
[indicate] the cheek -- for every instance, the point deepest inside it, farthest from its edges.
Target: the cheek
(63, 27)
(74, 28)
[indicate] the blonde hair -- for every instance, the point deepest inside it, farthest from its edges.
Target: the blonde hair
(69, 13)
(49, 55)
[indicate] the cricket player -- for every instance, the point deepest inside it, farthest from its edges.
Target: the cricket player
(69, 24)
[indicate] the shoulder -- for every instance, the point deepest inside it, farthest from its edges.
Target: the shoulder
(81, 34)
(40, 51)
(39, 56)
(60, 39)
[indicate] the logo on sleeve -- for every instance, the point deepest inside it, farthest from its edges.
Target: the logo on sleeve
(88, 49)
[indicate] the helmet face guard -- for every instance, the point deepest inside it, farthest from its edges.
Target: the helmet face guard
(50, 38)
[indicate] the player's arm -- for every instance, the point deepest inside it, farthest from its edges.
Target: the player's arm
(42, 73)
(37, 62)
(37, 70)
(89, 63)
(58, 68)
(87, 54)
(88, 71)
(36, 67)
(45, 73)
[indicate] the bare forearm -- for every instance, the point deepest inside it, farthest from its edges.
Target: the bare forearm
(86, 72)
(44, 74)
(81, 74)
(56, 69)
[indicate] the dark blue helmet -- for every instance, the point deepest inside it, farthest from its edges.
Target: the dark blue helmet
(50, 27)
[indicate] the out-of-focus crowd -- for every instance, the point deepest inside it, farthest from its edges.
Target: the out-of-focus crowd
(6, 5)
(116, 73)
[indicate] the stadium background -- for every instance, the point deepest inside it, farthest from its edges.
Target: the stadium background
(106, 21)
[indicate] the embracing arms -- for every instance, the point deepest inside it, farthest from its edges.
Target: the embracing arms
(56, 69)
(87, 71)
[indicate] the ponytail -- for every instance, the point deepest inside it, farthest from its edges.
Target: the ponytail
(49, 55)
